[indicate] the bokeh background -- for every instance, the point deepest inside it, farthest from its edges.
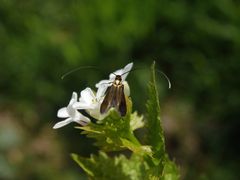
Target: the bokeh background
(196, 43)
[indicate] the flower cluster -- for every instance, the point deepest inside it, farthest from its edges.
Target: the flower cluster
(90, 101)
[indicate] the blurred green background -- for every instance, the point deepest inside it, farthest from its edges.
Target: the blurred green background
(196, 43)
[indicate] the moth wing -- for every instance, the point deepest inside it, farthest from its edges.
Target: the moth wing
(122, 106)
(107, 101)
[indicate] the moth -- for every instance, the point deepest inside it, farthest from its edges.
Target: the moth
(115, 97)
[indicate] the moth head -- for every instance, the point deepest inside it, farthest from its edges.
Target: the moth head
(118, 78)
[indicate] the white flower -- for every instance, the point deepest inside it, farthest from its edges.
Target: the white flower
(90, 102)
(104, 84)
(71, 114)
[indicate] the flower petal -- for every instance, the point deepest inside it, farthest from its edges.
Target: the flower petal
(82, 105)
(95, 113)
(122, 72)
(73, 99)
(126, 70)
(104, 82)
(87, 96)
(126, 88)
(101, 91)
(74, 96)
(62, 113)
(62, 123)
(83, 120)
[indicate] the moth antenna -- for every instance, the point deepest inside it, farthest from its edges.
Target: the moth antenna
(77, 69)
(114, 74)
(169, 82)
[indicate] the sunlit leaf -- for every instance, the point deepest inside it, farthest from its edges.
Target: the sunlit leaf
(136, 121)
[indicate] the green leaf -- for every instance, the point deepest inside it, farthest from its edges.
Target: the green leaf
(115, 133)
(110, 131)
(135, 167)
(141, 150)
(155, 137)
(106, 168)
(170, 171)
(160, 166)
(101, 167)
(85, 164)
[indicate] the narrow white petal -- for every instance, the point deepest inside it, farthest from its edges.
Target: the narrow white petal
(128, 67)
(101, 91)
(82, 105)
(126, 70)
(87, 95)
(62, 123)
(71, 111)
(126, 88)
(83, 120)
(103, 82)
(62, 113)
(74, 96)
(73, 99)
